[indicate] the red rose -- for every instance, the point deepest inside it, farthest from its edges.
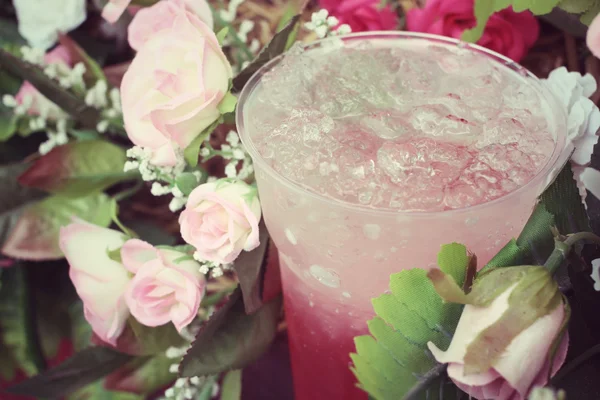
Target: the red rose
(362, 15)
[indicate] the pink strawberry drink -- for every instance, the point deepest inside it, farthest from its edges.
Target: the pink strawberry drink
(371, 152)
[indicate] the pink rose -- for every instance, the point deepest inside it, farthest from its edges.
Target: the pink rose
(37, 103)
(593, 36)
(221, 219)
(99, 281)
(173, 87)
(161, 15)
(113, 10)
(525, 362)
(362, 15)
(506, 32)
(167, 285)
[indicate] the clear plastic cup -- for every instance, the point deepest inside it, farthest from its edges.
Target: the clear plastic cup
(335, 257)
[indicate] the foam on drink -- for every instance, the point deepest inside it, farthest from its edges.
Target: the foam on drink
(405, 125)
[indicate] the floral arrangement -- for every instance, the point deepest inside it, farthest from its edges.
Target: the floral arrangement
(134, 260)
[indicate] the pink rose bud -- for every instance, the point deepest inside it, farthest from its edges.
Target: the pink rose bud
(161, 15)
(113, 10)
(503, 345)
(506, 32)
(38, 104)
(221, 219)
(173, 87)
(99, 280)
(167, 287)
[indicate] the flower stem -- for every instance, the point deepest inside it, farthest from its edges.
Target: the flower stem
(430, 376)
(125, 194)
(562, 248)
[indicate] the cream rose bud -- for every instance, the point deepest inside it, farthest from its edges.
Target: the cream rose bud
(99, 281)
(161, 15)
(167, 286)
(490, 356)
(221, 219)
(173, 87)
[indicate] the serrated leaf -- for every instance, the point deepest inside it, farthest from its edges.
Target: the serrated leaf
(390, 361)
(588, 16)
(274, 48)
(16, 322)
(191, 152)
(67, 101)
(231, 387)
(143, 375)
(575, 6)
(231, 339)
(250, 268)
(35, 234)
(78, 371)
(485, 8)
(78, 168)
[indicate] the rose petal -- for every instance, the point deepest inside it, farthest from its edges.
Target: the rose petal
(135, 253)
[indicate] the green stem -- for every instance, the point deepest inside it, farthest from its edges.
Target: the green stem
(434, 373)
(125, 194)
(232, 33)
(563, 248)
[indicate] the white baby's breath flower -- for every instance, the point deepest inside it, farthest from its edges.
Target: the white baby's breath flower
(130, 166)
(159, 189)
(102, 126)
(9, 101)
(177, 204)
(343, 29)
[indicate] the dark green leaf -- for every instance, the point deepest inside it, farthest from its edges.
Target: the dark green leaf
(231, 339)
(78, 371)
(250, 268)
(143, 375)
(9, 34)
(69, 102)
(13, 204)
(8, 123)
(78, 169)
(97, 391)
(141, 340)
(186, 182)
(191, 152)
(17, 324)
(274, 48)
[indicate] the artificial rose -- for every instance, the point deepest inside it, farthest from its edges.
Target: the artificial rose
(221, 219)
(526, 361)
(38, 104)
(150, 20)
(362, 15)
(506, 32)
(99, 280)
(40, 21)
(173, 87)
(113, 10)
(593, 36)
(166, 287)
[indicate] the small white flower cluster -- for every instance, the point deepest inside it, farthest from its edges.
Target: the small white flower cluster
(323, 25)
(186, 388)
(229, 14)
(74, 78)
(215, 269)
(235, 153)
(19, 109)
(108, 101)
(150, 172)
(33, 55)
(55, 138)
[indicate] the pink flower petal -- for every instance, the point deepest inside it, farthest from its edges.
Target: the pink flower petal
(135, 253)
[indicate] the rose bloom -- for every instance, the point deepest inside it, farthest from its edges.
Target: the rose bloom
(149, 20)
(507, 32)
(38, 103)
(167, 286)
(221, 219)
(173, 87)
(362, 15)
(99, 281)
(525, 362)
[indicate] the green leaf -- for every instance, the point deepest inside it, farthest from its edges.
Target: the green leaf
(231, 339)
(144, 375)
(80, 370)
(250, 267)
(9, 34)
(78, 169)
(390, 361)
(485, 8)
(231, 388)
(186, 182)
(227, 105)
(17, 330)
(81, 330)
(222, 34)
(274, 48)
(575, 6)
(141, 340)
(35, 234)
(588, 16)
(84, 134)
(191, 152)
(8, 123)
(97, 391)
(69, 102)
